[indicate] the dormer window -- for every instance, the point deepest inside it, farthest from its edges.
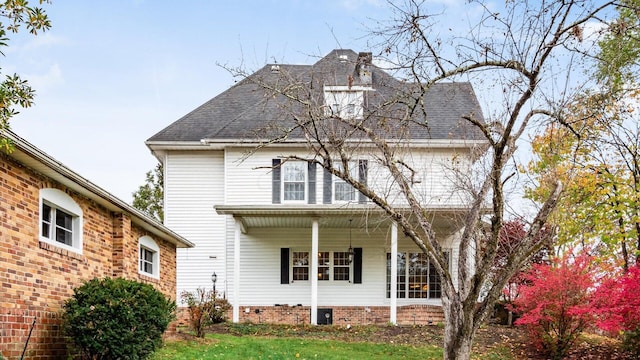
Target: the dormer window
(344, 101)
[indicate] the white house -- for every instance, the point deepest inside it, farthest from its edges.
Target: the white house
(288, 241)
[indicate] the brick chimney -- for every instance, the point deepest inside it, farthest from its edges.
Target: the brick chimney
(363, 67)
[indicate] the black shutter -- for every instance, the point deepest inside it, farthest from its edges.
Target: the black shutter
(284, 265)
(357, 265)
(362, 178)
(327, 185)
(275, 181)
(311, 173)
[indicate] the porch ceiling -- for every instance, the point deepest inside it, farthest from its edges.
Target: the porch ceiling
(329, 216)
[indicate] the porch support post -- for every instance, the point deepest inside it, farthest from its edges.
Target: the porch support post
(236, 271)
(314, 272)
(393, 303)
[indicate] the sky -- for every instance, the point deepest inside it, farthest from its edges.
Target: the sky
(110, 74)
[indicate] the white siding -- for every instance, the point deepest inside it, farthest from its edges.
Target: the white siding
(260, 268)
(250, 181)
(194, 183)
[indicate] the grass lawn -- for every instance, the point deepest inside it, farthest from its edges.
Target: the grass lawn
(370, 342)
(224, 346)
(254, 341)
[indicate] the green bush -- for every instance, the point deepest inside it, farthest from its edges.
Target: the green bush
(205, 308)
(116, 319)
(631, 341)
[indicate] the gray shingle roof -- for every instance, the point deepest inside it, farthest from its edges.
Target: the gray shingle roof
(246, 109)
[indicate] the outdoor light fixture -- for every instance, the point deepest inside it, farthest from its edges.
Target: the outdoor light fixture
(214, 278)
(350, 248)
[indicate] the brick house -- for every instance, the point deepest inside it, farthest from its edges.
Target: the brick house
(57, 229)
(289, 241)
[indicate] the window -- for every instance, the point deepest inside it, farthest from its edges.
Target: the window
(344, 101)
(149, 257)
(417, 277)
(331, 265)
(324, 265)
(294, 180)
(341, 266)
(60, 220)
(343, 191)
(300, 265)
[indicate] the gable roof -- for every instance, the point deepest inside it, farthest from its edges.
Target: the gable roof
(39, 161)
(243, 111)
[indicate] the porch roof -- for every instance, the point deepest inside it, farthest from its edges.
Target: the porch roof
(444, 219)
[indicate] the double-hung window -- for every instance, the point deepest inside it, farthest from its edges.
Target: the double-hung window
(342, 190)
(300, 265)
(294, 180)
(417, 277)
(148, 257)
(57, 224)
(60, 220)
(333, 265)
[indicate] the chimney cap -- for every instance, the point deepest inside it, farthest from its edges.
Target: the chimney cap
(365, 57)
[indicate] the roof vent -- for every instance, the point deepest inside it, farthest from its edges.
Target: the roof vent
(343, 58)
(275, 68)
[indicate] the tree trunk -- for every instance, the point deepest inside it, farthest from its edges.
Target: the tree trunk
(458, 330)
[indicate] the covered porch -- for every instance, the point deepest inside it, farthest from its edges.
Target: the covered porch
(318, 218)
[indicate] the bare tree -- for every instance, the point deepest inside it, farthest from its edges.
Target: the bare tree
(525, 51)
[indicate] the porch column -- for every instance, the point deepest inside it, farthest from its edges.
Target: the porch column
(314, 272)
(393, 303)
(236, 272)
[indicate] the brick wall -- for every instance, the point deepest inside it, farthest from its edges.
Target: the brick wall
(37, 277)
(342, 315)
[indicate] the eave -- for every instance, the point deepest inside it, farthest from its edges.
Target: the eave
(331, 216)
(34, 158)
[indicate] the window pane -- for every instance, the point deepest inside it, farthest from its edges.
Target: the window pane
(46, 220)
(146, 260)
(344, 191)
(294, 171)
(294, 191)
(341, 273)
(63, 219)
(300, 261)
(323, 273)
(323, 265)
(401, 278)
(300, 258)
(64, 236)
(294, 179)
(300, 273)
(341, 266)
(418, 275)
(323, 258)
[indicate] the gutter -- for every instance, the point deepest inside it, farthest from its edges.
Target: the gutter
(92, 190)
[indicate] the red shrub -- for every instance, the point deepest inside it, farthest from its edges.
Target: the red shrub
(556, 304)
(618, 302)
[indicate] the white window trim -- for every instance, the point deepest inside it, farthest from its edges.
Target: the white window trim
(345, 97)
(148, 243)
(354, 167)
(292, 265)
(331, 267)
(57, 199)
(406, 290)
(306, 183)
